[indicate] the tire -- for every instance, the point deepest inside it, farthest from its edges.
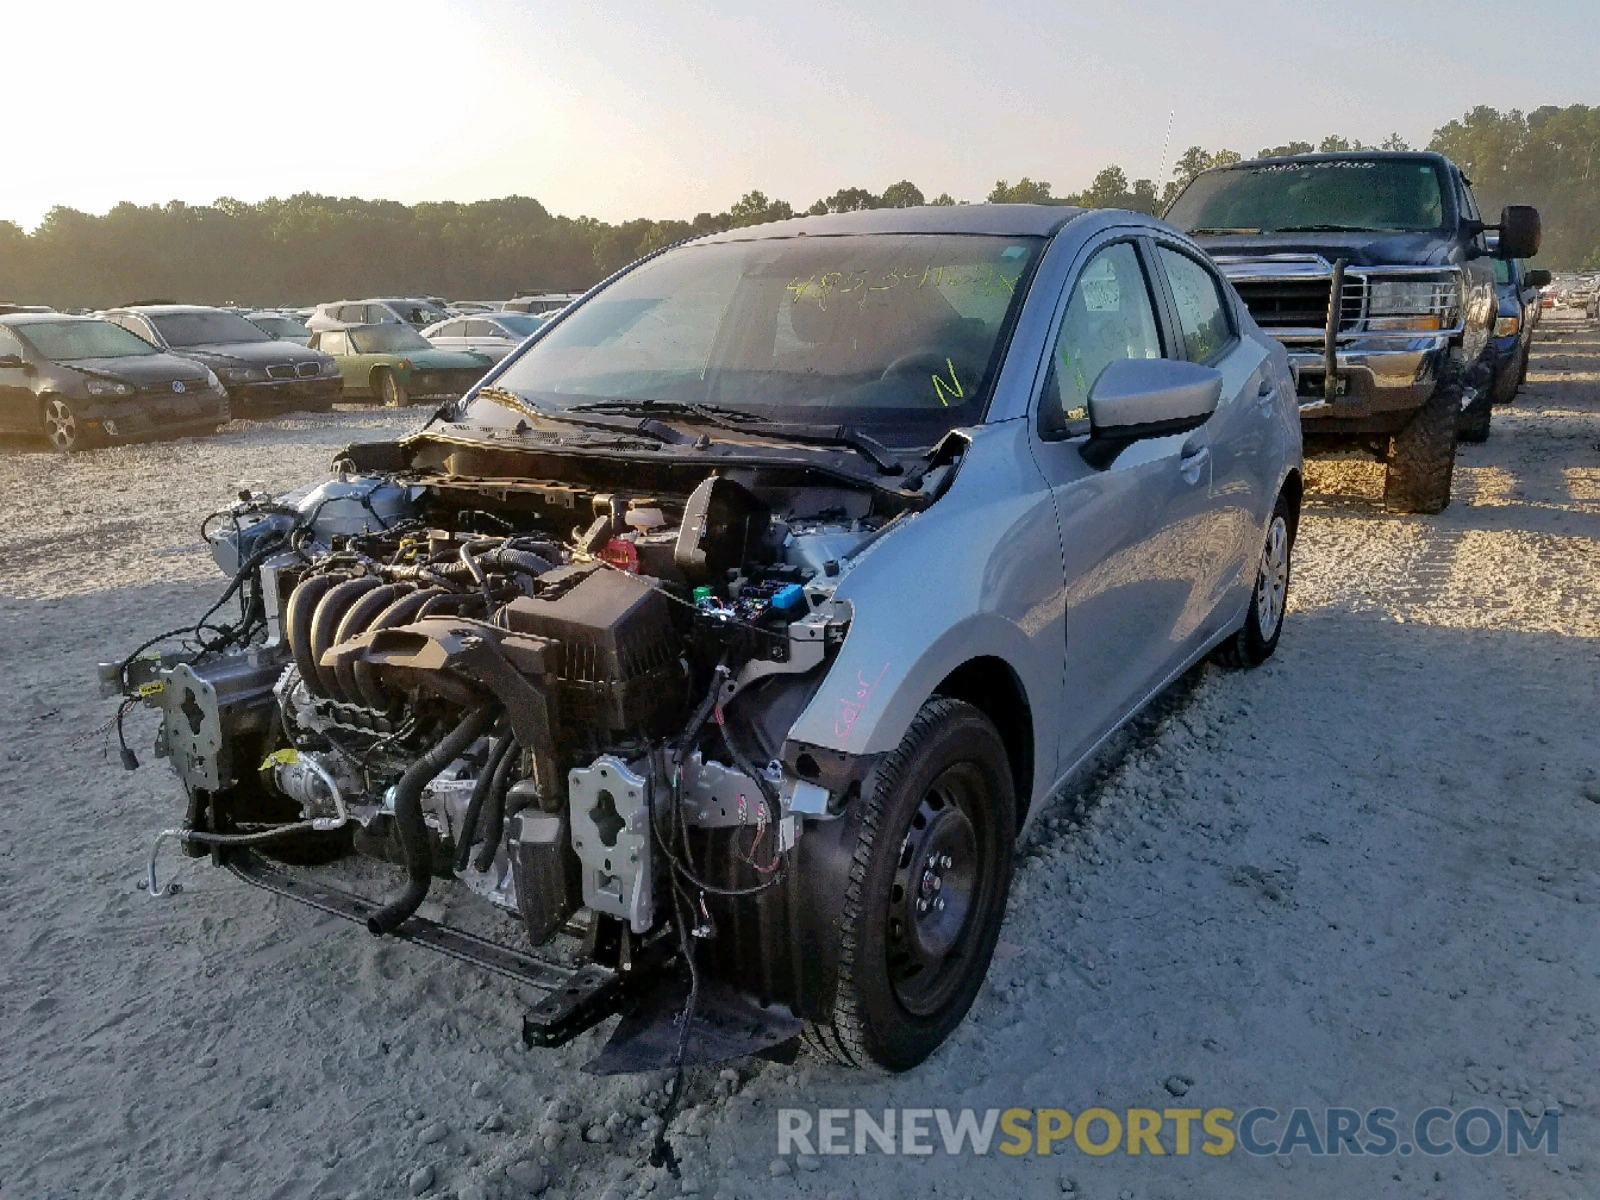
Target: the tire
(62, 426)
(1422, 456)
(391, 391)
(1269, 596)
(1507, 382)
(943, 814)
(1522, 371)
(1472, 422)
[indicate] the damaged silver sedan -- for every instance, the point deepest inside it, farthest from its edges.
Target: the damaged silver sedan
(719, 644)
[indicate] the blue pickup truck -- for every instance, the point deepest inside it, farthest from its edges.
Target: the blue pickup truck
(1375, 271)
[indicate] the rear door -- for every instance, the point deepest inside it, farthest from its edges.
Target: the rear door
(1225, 530)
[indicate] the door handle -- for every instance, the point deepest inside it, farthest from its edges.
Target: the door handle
(1193, 462)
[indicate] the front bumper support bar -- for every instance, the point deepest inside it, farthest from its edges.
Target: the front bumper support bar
(576, 999)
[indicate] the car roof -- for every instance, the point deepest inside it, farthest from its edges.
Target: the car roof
(999, 220)
(37, 318)
(170, 308)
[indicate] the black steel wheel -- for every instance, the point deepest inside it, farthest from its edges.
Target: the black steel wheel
(927, 891)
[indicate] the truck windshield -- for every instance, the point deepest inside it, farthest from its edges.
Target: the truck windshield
(899, 334)
(1378, 195)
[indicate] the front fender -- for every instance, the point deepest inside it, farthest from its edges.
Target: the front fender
(979, 574)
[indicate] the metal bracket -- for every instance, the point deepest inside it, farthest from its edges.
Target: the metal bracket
(610, 809)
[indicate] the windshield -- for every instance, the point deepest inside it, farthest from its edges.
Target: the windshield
(1502, 270)
(387, 339)
(520, 324)
(282, 327)
(1373, 194)
(899, 334)
(417, 313)
(66, 341)
(205, 328)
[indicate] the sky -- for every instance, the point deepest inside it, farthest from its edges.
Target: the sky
(666, 108)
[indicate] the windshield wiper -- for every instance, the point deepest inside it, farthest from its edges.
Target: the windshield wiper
(1333, 229)
(653, 430)
(740, 421)
(1206, 231)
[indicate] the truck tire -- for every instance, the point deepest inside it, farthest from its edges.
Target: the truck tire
(1472, 422)
(1507, 381)
(926, 893)
(1422, 456)
(1269, 596)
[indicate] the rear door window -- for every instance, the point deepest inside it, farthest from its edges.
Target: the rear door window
(1202, 306)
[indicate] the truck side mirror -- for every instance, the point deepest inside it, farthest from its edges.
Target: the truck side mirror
(1537, 279)
(1520, 232)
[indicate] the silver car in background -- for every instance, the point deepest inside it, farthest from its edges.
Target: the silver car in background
(492, 334)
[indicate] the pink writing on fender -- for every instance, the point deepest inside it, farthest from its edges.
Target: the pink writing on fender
(851, 707)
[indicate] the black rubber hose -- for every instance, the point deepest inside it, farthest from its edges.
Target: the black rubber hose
(495, 824)
(480, 793)
(409, 824)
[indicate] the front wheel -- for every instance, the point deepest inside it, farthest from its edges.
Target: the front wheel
(392, 391)
(1422, 456)
(63, 428)
(1269, 597)
(1472, 425)
(926, 893)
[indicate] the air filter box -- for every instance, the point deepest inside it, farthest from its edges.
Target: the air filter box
(616, 659)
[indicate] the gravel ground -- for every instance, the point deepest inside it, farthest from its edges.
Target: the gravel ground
(1363, 875)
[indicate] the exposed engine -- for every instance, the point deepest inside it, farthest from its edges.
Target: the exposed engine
(571, 703)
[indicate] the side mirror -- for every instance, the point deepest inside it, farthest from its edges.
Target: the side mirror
(1520, 232)
(11, 361)
(1537, 279)
(1147, 397)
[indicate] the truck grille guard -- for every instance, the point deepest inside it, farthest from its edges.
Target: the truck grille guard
(1285, 291)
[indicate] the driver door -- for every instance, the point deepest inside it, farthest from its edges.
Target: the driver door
(1130, 573)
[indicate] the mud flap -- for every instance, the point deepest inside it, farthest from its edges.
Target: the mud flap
(728, 1024)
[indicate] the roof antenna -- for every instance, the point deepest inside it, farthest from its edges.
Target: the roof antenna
(1166, 145)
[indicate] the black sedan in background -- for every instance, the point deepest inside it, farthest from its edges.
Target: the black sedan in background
(82, 381)
(262, 374)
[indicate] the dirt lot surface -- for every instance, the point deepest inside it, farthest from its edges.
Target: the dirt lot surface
(1365, 875)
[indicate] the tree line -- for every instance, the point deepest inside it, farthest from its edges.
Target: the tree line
(308, 247)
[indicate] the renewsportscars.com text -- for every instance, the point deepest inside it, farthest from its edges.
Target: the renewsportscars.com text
(1177, 1131)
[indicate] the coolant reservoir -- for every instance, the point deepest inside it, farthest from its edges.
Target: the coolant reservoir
(644, 516)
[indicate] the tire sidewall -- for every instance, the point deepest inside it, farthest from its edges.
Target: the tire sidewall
(897, 1039)
(1258, 647)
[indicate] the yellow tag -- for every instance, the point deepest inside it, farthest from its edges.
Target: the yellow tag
(152, 689)
(281, 758)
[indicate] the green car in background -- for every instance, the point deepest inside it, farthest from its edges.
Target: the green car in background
(396, 364)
